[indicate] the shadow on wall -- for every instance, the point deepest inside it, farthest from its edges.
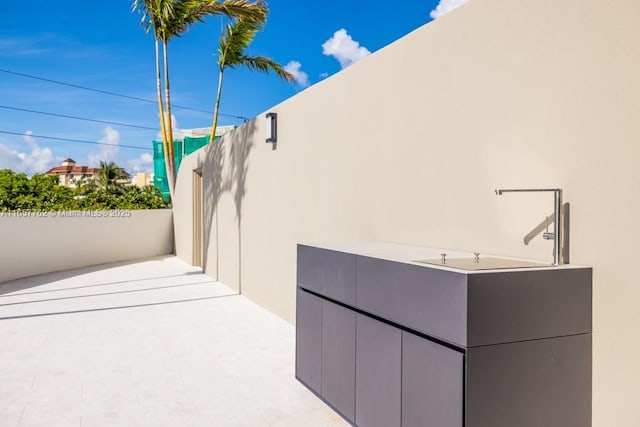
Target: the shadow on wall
(226, 174)
(213, 186)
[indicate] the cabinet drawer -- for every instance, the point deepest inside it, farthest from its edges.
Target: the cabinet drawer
(427, 300)
(328, 273)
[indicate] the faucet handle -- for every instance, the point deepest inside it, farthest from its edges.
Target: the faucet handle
(549, 236)
(443, 258)
(476, 257)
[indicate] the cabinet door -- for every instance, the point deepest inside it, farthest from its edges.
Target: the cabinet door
(530, 384)
(432, 384)
(309, 339)
(378, 373)
(339, 358)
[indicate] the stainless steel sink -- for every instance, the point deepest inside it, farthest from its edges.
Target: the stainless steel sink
(483, 263)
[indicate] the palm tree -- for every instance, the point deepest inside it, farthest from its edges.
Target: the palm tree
(237, 36)
(171, 18)
(110, 175)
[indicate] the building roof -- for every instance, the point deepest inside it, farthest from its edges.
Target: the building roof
(73, 170)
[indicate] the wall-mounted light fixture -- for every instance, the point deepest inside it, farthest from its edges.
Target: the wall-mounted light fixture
(272, 127)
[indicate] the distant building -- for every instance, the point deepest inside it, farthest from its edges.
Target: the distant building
(72, 176)
(142, 179)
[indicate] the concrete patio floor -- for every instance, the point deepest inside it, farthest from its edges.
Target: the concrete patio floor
(149, 343)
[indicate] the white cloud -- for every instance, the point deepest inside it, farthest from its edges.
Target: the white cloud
(342, 47)
(295, 68)
(106, 153)
(324, 75)
(446, 6)
(142, 163)
(109, 153)
(39, 160)
(29, 139)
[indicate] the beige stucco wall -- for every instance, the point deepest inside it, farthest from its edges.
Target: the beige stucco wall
(37, 243)
(408, 145)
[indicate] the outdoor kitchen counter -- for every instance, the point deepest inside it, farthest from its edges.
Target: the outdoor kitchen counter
(387, 340)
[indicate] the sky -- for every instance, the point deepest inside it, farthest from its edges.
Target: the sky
(51, 52)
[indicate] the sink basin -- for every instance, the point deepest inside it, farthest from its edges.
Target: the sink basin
(484, 263)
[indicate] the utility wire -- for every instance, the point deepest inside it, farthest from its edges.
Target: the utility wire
(81, 141)
(105, 92)
(76, 118)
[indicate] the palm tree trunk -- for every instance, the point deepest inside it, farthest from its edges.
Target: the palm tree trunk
(172, 176)
(216, 109)
(163, 127)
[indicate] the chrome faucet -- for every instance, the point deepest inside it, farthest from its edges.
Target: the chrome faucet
(557, 235)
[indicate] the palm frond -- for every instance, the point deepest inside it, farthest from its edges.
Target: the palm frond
(237, 36)
(171, 18)
(266, 65)
(159, 16)
(145, 9)
(256, 11)
(110, 173)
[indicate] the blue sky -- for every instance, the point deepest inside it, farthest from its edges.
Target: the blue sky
(103, 47)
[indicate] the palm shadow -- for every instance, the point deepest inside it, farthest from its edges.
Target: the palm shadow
(242, 144)
(213, 186)
(226, 175)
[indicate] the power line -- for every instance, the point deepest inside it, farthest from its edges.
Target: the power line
(76, 118)
(105, 92)
(81, 141)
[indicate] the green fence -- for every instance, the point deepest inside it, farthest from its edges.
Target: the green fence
(181, 148)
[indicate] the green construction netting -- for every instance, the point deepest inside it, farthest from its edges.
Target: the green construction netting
(181, 148)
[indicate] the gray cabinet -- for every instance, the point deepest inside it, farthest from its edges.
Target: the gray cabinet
(339, 358)
(427, 300)
(378, 373)
(328, 273)
(510, 306)
(469, 310)
(432, 384)
(530, 383)
(387, 342)
(326, 350)
(309, 339)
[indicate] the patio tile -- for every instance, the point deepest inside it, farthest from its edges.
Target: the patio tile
(150, 343)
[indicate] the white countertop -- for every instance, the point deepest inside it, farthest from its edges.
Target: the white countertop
(409, 254)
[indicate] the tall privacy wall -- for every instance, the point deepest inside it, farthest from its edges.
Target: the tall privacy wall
(409, 144)
(37, 243)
